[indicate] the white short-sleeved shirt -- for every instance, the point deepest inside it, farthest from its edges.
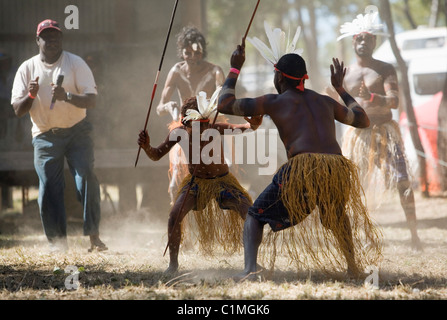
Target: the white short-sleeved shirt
(78, 79)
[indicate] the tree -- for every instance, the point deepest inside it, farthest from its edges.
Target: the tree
(442, 135)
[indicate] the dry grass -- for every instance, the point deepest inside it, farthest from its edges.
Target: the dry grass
(133, 267)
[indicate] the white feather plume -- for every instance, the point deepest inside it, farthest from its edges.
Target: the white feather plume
(205, 107)
(279, 44)
(363, 23)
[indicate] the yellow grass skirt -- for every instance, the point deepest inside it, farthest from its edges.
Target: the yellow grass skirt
(327, 183)
(214, 225)
(374, 151)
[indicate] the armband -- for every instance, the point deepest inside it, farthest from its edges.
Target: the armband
(31, 96)
(234, 70)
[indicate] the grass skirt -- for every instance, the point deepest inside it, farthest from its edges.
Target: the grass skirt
(379, 152)
(214, 225)
(316, 189)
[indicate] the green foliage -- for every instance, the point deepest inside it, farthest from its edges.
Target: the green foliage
(420, 12)
(227, 21)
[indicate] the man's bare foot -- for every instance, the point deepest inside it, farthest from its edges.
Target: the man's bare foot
(171, 270)
(416, 244)
(353, 272)
(249, 275)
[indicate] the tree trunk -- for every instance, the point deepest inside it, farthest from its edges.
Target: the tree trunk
(407, 103)
(433, 13)
(311, 42)
(442, 134)
(408, 15)
(442, 139)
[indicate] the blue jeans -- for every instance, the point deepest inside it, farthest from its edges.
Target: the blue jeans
(50, 150)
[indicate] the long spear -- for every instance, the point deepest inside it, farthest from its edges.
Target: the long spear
(158, 74)
(214, 121)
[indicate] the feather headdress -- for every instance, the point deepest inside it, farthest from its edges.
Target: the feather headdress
(363, 23)
(205, 107)
(279, 44)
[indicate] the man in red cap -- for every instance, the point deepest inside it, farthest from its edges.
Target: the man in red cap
(60, 131)
(315, 176)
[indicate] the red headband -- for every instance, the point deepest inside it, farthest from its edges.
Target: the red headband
(301, 85)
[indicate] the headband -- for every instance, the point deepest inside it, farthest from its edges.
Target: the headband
(301, 85)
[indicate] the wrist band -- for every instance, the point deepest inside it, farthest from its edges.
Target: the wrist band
(234, 70)
(371, 98)
(31, 96)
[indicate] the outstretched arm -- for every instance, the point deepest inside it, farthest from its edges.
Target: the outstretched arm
(154, 154)
(351, 114)
(253, 123)
(166, 105)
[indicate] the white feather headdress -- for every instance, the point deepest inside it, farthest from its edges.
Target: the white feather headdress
(279, 44)
(205, 107)
(363, 23)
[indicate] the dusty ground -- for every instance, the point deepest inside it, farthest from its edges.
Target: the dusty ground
(133, 266)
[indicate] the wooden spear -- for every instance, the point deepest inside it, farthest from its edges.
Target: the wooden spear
(212, 125)
(157, 75)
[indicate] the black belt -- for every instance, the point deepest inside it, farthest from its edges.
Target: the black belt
(62, 130)
(58, 130)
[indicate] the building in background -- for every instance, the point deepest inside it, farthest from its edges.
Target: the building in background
(122, 41)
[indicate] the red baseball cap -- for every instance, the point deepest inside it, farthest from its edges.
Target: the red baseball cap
(46, 24)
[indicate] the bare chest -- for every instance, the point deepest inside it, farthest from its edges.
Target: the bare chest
(358, 77)
(192, 82)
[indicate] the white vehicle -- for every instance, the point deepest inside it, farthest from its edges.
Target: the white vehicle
(414, 44)
(425, 53)
(426, 76)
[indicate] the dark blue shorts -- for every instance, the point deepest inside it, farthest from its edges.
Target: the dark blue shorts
(269, 208)
(226, 195)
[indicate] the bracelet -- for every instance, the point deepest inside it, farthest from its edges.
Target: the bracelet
(371, 98)
(31, 96)
(234, 70)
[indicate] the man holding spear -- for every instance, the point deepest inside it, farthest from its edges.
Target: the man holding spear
(316, 174)
(209, 188)
(188, 77)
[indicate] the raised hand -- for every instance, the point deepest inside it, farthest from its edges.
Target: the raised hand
(33, 87)
(338, 72)
(58, 92)
(238, 57)
(364, 93)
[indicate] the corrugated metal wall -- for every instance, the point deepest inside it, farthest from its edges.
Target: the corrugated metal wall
(19, 19)
(127, 35)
